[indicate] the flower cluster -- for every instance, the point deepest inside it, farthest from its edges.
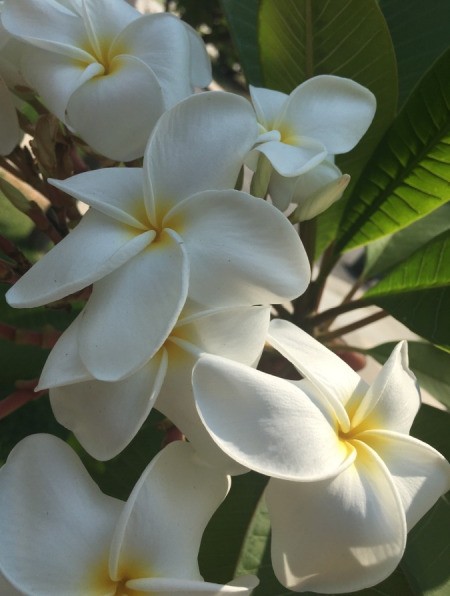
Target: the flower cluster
(181, 269)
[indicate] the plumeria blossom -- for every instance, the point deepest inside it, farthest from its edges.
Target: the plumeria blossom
(313, 192)
(324, 115)
(62, 535)
(105, 416)
(106, 70)
(348, 481)
(155, 235)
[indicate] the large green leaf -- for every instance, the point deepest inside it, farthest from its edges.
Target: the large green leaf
(430, 365)
(389, 251)
(417, 292)
(416, 24)
(242, 17)
(409, 174)
(299, 39)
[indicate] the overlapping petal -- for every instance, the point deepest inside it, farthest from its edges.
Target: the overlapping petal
(115, 192)
(295, 157)
(253, 250)
(393, 399)
(338, 535)
(333, 110)
(94, 106)
(268, 105)
(119, 409)
(59, 274)
(55, 518)
(149, 294)
(242, 585)
(204, 139)
(146, 538)
(334, 379)
(169, 47)
(267, 424)
(48, 25)
(420, 473)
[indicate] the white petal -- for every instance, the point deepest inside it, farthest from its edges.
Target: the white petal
(48, 25)
(338, 535)
(265, 423)
(204, 139)
(115, 113)
(56, 525)
(183, 587)
(281, 189)
(10, 133)
(104, 20)
(56, 77)
(116, 192)
(333, 379)
(420, 473)
(100, 246)
(252, 249)
(105, 417)
(201, 74)
(161, 526)
(176, 401)
(63, 365)
(169, 47)
(333, 110)
(268, 105)
(132, 311)
(238, 333)
(393, 399)
(294, 158)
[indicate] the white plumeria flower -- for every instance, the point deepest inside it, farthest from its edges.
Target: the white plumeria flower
(313, 192)
(348, 481)
(324, 115)
(106, 70)
(154, 235)
(62, 535)
(106, 416)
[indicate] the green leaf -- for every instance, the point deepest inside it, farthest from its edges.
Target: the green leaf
(417, 292)
(416, 24)
(409, 174)
(299, 39)
(430, 365)
(389, 251)
(242, 17)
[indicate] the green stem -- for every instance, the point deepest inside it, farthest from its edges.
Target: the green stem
(334, 312)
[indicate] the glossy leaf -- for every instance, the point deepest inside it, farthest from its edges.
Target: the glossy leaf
(242, 17)
(389, 251)
(409, 174)
(299, 39)
(416, 24)
(430, 365)
(417, 292)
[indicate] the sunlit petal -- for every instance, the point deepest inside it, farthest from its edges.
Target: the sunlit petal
(420, 473)
(132, 311)
(218, 228)
(161, 526)
(129, 89)
(119, 409)
(266, 423)
(393, 399)
(59, 274)
(55, 522)
(204, 139)
(338, 535)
